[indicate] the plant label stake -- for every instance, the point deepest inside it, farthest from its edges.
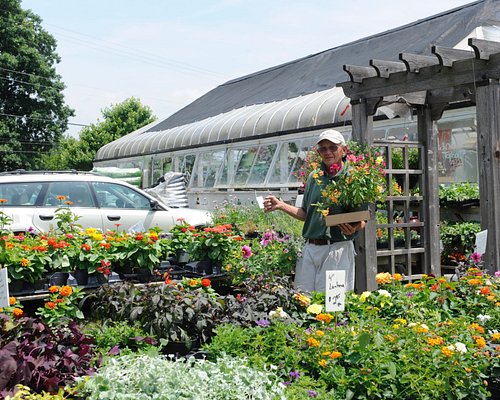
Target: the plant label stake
(335, 290)
(4, 288)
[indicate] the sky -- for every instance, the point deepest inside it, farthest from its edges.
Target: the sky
(167, 53)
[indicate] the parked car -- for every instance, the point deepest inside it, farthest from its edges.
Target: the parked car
(31, 199)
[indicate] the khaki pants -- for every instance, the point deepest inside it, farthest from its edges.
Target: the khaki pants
(310, 272)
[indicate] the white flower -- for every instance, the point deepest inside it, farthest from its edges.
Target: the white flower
(411, 324)
(424, 326)
(460, 347)
(483, 318)
(278, 313)
(384, 293)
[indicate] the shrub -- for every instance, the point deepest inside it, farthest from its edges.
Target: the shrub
(144, 377)
(41, 357)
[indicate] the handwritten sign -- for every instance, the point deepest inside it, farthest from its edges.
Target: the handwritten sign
(335, 291)
(481, 239)
(4, 288)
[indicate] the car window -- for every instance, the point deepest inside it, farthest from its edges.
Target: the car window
(111, 195)
(76, 194)
(20, 194)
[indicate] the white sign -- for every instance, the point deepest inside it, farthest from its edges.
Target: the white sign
(481, 239)
(260, 201)
(298, 200)
(4, 288)
(335, 291)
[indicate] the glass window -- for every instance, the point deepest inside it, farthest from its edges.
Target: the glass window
(457, 154)
(76, 194)
(20, 194)
(186, 167)
(206, 168)
(157, 170)
(263, 160)
(112, 195)
(245, 164)
(229, 167)
(167, 164)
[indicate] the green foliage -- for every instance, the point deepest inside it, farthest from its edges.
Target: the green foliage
(31, 92)
(25, 393)
(459, 191)
(120, 337)
(398, 159)
(62, 304)
(144, 377)
(458, 238)
(249, 219)
(163, 312)
(119, 120)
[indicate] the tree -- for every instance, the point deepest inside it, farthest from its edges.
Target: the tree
(33, 114)
(119, 120)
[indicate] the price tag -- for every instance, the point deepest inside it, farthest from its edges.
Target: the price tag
(335, 290)
(260, 201)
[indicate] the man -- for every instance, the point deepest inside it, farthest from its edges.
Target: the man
(327, 248)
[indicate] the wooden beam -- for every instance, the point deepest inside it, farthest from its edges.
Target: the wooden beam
(385, 68)
(414, 62)
(488, 154)
(447, 56)
(357, 73)
(464, 72)
(484, 48)
(365, 243)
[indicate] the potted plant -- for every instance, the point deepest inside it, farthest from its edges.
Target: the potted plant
(459, 194)
(181, 239)
(359, 181)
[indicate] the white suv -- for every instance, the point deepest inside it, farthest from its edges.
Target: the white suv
(31, 199)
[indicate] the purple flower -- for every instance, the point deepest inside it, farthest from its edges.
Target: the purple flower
(286, 383)
(312, 393)
(497, 274)
(294, 374)
(263, 323)
(409, 295)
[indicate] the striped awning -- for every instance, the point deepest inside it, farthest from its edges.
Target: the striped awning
(316, 109)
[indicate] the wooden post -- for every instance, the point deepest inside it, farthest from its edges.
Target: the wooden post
(488, 152)
(428, 135)
(366, 246)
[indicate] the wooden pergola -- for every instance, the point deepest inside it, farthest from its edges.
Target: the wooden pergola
(429, 84)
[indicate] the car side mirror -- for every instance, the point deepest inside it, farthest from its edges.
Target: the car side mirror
(155, 205)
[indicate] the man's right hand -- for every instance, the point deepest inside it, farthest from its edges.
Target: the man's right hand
(271, 203)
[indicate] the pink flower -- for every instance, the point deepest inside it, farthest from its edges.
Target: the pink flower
(335, 168)
(247, 251)
(497, 274)
(351, 158)
(476, 257)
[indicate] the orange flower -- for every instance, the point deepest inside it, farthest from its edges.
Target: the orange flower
(24, 262)
(484, 290)
(50, 305)
(66, 291)
(54, 289)
(2, 201)
(446, 351)
(313, 342)
(336, 354)
(61, 198)
(12, 300)
(397, 277)
(193, 282)
(17, 312)
(326, 318)
(383, 277)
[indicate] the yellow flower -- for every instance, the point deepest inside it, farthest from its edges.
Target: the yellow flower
(446, 351)
(495, 337)
(315, 175)
(313, 342)
(364, 296)
(322, 363)
(324, 212)
(320, 333)
(302, 299)
(97, 237)
(25, 262)
(379, 160)
(383, 277)
(397, 277)
(314, 309)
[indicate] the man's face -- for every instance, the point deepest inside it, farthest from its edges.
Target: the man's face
(331, 153)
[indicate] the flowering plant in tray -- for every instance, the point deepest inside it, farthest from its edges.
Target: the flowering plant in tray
(358, 181)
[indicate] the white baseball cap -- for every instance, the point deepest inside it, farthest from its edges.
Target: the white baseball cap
(333, 136)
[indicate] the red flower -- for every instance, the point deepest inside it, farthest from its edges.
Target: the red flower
(86, 247)
(50, 305)
(139, 237)
(205, 282)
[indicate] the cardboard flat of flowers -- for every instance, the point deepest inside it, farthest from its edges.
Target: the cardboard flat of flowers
(345, 218)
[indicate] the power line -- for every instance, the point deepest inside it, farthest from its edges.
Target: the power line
(27, 83)
(41, 119)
